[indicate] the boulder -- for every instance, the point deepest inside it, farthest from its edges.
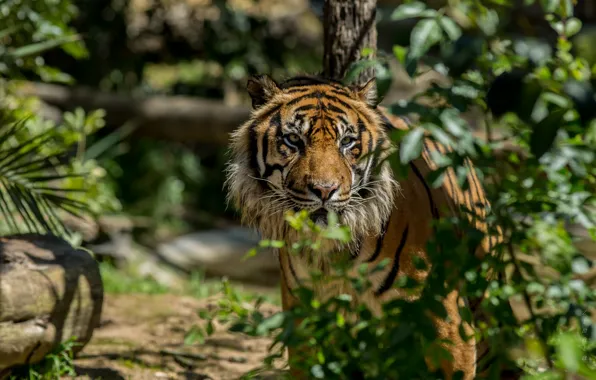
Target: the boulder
(50, 293)
(222, 253)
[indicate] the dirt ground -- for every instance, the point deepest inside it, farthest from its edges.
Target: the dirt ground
(141, 336)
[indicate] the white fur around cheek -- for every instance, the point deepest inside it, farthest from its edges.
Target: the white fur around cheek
(304, 127)
(276, 179)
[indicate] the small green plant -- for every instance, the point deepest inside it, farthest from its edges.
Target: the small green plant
(54, 366)
(121, 281)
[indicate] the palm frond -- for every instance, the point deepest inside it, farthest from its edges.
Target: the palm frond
(31, 184)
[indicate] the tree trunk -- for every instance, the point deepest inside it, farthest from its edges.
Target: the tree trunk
(50, 292)
(349, 27)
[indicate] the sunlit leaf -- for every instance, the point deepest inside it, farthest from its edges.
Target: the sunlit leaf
(411, 145)
(425, 34)
(40, 47)
(412, 9)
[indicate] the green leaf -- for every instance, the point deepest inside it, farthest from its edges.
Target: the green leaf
(545, 132)
(450, 27)
(411, 10)
(384, 78)
(27, 183)
(488, 22)
(194, 335)
(570, 352)
(317, 371)
(271, 244)
(273, 322)
(40, 47)
(425, 34)
(582, 95)
(411, 145)
(572, 26)
(567, 8)
(357, 68)
(549, 6)
(341, 233)
(400, 53)
(411, 65)
(453, 122)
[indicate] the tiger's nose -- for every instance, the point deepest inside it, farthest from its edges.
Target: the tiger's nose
(323, 191)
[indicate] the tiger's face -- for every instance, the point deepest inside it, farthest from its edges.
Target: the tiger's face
(315, 145)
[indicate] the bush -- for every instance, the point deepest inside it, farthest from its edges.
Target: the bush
(46, 167)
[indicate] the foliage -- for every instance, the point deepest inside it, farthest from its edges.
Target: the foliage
(534, 152)
(44, 168)
(55, 365)
(126, 39)
(124, 281)
(127, 280)
(30, 27)
(167, 175)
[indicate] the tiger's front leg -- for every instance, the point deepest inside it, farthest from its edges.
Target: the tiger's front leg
(295, 355)
(463, 352)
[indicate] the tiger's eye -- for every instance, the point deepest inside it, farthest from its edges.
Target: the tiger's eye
(292, 139)
(347, 140)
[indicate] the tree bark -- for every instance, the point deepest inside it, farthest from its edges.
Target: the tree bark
(50, 292)
(349, 27)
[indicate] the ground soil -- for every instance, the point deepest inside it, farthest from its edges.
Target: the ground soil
(141, 336)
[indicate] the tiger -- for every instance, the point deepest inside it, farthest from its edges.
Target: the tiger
(316, 144)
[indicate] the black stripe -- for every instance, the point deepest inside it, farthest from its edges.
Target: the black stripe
(387, 124)
(433, 207)
(356, 251)
(297, 197)
(265, 144)
(339, 101)
(288, 288)
(254, 149)
(450, 178)
(293, 271)
(476, 185)
(334, 108)
(275, 122)
(269, 169)
(310, 95)
(306, 107)
(298, 89)
(379, 245)
(343, 119)
(340, 91)
(390, 279)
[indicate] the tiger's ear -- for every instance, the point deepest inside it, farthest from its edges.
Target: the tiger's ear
(261, 89)
(367, 92)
